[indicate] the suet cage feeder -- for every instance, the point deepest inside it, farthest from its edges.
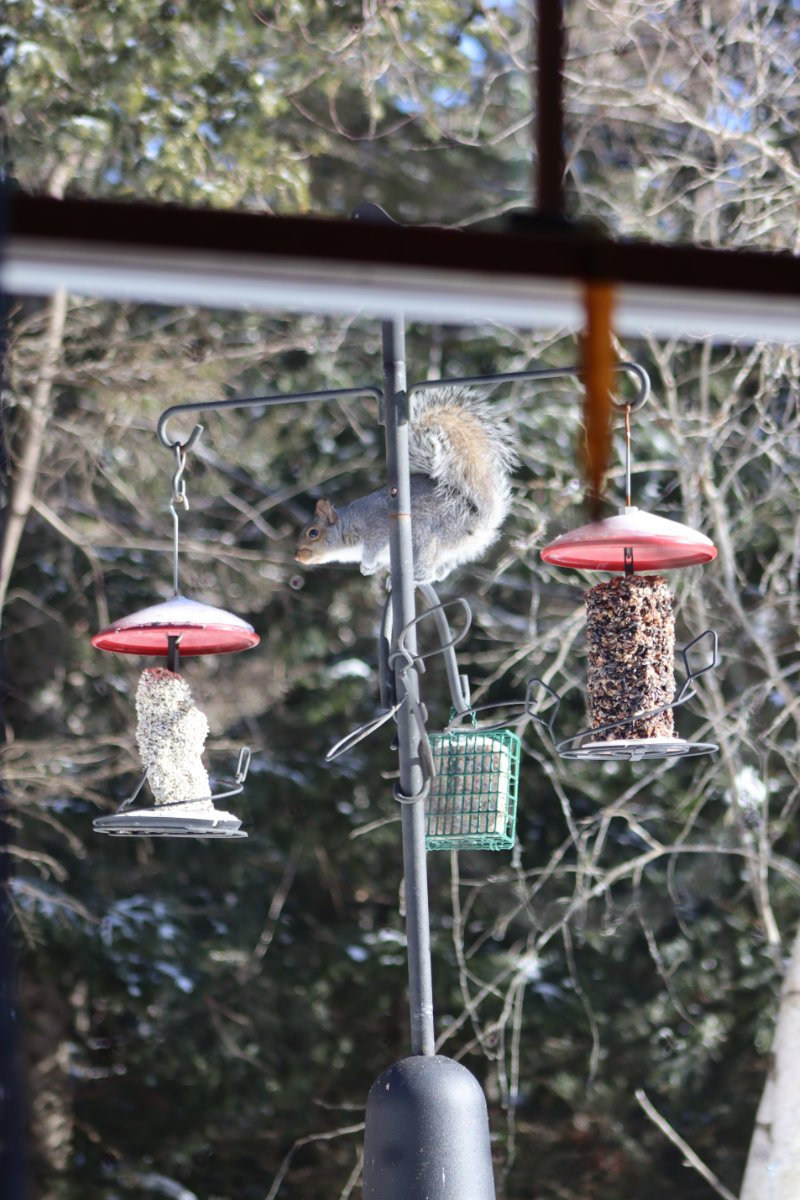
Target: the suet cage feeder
(472, 774)
(472, 802)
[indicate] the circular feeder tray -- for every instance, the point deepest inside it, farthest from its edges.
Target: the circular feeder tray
(636, 749)
(654, 544)
(201, 628)
(152, 822)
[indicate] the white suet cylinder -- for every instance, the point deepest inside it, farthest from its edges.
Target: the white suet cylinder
(171, 733)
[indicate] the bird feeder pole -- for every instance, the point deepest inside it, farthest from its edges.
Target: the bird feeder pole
(411, 787)
(426, 1133)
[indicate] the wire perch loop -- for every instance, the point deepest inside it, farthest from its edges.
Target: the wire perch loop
(198, 818)
(627, 748)
(408, 663)
(458, 684)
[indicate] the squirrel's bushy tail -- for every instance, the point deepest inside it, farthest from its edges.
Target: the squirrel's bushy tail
(465, 446)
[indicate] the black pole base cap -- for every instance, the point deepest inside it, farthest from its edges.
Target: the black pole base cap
(427, 1134)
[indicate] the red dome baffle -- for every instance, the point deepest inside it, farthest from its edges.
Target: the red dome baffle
(202, 629)
(655, 542)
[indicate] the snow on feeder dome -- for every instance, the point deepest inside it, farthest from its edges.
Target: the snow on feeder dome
(197, 628)
(634, 538)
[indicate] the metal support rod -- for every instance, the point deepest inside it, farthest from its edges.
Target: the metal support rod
(173, 653)
(411, 782)
(459, 688)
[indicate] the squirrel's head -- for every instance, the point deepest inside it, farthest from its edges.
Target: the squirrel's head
(310, 547)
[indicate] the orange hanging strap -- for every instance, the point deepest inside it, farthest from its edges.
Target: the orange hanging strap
(598, 371)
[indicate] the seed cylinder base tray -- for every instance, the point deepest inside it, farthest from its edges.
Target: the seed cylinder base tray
(636, 749)
(185, 820)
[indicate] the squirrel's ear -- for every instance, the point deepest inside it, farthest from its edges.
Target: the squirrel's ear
(326, 512)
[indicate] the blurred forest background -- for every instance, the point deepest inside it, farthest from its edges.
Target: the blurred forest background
(205, 1019)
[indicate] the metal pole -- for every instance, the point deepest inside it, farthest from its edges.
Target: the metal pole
(426, 1132)
(410, 787)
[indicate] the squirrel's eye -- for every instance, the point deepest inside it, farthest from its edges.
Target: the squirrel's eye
(313, 533)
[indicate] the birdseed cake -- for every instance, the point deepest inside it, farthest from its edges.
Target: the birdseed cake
(630, 629)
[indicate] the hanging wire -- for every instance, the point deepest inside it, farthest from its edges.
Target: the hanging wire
(628, 456)
(178, 498)
(628, 551)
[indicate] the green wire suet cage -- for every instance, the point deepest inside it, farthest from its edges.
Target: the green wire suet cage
(473, 797)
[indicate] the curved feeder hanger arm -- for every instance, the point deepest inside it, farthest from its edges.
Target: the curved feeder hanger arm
(181, 449)
(252, 402)
(542, 374)
(405, 661)
(458, 684)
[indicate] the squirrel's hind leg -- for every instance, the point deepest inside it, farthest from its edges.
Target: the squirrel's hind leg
(426, 561)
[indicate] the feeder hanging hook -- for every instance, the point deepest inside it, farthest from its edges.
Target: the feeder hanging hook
(178, 482)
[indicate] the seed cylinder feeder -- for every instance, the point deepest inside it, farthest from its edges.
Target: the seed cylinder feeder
(171, 730)
(630, 630)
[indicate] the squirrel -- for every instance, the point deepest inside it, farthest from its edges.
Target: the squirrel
(465, 453)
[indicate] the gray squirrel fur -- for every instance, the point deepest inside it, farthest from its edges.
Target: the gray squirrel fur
(464, 452)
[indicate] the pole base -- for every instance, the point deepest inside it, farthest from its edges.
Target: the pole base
(427, 1134)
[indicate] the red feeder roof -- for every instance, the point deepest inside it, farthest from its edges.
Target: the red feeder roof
(202, 629)
(657, 544)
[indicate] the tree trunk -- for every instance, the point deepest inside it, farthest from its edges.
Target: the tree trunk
(47, 1036)
(26, 464)
(773, 1164)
